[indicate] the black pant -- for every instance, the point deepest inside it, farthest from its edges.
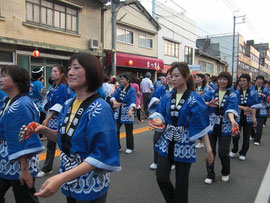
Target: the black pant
(246, 134)
(129, 135)
(138, 111)
(51, 146)
(146, 100)
(99, 200)
(179, 194)
(156, 137)
(259, 129)
(223, 152)
(21, 193)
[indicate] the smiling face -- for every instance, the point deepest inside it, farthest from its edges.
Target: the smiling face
(123, 81)
(76, 76)
(198, 80)
(223, 82)
(243, 82)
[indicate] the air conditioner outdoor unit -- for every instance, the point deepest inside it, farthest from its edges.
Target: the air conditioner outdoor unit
(93, 44)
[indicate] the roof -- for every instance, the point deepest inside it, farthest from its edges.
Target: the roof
(218, 59)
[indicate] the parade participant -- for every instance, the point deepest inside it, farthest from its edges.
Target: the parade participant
(19, 160)
(209, 82)
(56, 99)
(263, 93)
(2, 95)
(248, 101)
(186, 118)
(158, 93)
(86, 135)
(223, 107)
(147, 89)
(124, 100)
(134, 84)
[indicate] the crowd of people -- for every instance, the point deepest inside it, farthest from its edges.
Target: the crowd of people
(82, 111)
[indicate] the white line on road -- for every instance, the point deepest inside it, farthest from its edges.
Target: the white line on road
(263, 195)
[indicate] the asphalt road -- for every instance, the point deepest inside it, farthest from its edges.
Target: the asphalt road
(136, 183)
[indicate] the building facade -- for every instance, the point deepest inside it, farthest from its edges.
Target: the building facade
(55, 28)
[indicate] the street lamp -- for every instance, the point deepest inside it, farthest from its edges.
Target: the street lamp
(234, 23)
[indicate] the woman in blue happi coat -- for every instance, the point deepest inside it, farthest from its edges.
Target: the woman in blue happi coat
(186, 119)
(200, 84)
(223, 108)
(86, 135)
(18, 158)
(124, 100)
(248, 102)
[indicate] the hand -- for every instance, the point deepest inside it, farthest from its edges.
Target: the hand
(200, 93)
(116, 104)
(156, 102)
(50, 186)
(26, 177)
(157, 121)
(40, 129)
(235, 125)
(262, 95)
(130, 113)
(45, 122)
(213, 103)
(254, 122)
(209, 157)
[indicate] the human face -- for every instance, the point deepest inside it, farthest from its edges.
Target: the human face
(169, 79)
(76, 76)
(259, 82)
(222, 83)
(198, 80)
(123, 81)
(56, 75)
(163, 80)
(178, 81)
(6, 83)
(243, 83)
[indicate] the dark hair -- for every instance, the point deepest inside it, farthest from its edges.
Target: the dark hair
(134, 79)
(106, 78)
(62, 70)
(226, 75)
(246, 76)
(19, 75)
(113, 80)
(207, 74)
(260, 77)
(36, 73)
(168, 71)
(127, 76)
(93, 70)
(203, 77)
(185, 72)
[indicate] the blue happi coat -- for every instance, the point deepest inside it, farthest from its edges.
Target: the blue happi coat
(263, 100)
(193, 123)
(56, 99)
(157, 94)
(252, 102)
(95, 142)
(230, 106)
(205, 89)
(35, 93)
(128, 102)
(20, 112)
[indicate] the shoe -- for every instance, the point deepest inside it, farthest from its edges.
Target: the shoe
(256, 143)
(225, 178)
(264, 125)
(42, 174)
(120, 149)
(128, 151)
(208, 181)
(153, 166)
(232, 155)
(251, 138)
(199, 145)
(173, 167)
(242, 158)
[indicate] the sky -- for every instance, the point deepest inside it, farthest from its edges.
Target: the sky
(214, 17)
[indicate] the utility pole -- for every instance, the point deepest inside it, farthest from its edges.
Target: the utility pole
(234, 23)
(153, 8)
(113, 53)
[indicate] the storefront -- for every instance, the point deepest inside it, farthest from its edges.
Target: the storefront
(136, 64)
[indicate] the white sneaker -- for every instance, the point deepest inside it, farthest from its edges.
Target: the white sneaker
(208, 181)
(225, 178)
(264, 125)
(42, 174)
(199, 145)
(232, 155)
(128, 151)
(173, 167)
(153, 166)
(242, 158)
(257, 143)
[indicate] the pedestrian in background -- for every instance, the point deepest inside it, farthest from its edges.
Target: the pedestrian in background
(134, 84)
(86, 136)
(18, 158)
(147, 89)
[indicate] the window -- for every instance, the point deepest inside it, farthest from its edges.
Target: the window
(206, 67)
(188, 55)
(171, 48)
(124, 36)
(145, 41)
(6, 57)
(51, 14)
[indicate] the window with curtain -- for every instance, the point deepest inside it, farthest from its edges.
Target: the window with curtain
(125, 36)
(188, 55)
(171, 48)
(145, 41)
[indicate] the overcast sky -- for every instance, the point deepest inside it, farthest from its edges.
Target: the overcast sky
(216, 16)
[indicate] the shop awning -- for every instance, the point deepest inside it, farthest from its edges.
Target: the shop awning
(135, 61)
